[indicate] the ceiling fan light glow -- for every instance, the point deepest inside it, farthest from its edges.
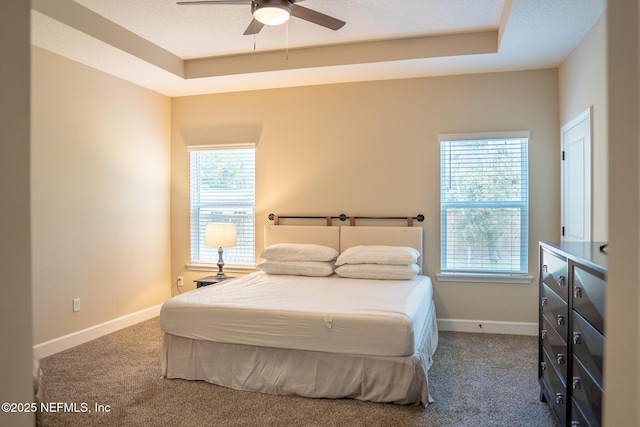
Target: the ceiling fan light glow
(272, 15)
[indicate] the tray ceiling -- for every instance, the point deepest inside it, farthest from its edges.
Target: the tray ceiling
(185, 50)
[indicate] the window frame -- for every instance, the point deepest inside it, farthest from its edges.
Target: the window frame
(211, 265)
(487, 276)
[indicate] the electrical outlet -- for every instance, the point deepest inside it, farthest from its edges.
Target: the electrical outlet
(180, 281)
(76, 304)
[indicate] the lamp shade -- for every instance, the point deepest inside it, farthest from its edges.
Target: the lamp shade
(220, 234)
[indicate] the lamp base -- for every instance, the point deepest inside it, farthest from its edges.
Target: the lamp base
(221, 274)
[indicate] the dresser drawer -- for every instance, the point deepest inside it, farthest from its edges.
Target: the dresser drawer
(555, 387)
(577, 417)
(588, 296)
(554, 273)
(588, 346)
(587, 393)
(555, 346)
(555, 310)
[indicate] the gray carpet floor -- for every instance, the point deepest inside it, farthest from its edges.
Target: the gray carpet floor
(476, 380)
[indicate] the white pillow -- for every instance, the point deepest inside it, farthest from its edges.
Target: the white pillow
(378, 271)
(397, 255)
(299, 252)
(297, 268)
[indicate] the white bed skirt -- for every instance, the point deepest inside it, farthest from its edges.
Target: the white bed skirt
(401, 380)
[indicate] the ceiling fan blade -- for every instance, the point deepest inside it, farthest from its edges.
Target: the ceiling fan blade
(214, 2)
(254, 27)
(316, 17)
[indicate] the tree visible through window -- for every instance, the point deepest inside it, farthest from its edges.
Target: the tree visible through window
(484, 203)
(222, 189)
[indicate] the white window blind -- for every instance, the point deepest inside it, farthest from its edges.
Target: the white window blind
(484, 202)
(222, 189)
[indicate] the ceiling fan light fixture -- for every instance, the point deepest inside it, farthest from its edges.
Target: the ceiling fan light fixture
(273, 12)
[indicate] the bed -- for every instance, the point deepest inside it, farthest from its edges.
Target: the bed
(319, 336)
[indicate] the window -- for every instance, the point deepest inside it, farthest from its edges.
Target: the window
(222, 189)
(484, 203)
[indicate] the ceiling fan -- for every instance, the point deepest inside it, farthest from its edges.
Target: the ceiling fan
(276, 12)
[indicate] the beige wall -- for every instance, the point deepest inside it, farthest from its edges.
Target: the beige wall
(100, 196)
(583, 84)
(371, 149)
(622, 322)
(603, 72)
(16, 383)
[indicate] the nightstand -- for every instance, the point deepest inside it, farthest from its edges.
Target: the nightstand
(206, 281)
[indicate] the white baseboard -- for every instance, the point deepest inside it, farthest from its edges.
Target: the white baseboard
(65, 342)
(489, 327)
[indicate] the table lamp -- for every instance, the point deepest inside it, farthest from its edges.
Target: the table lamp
(220, 234)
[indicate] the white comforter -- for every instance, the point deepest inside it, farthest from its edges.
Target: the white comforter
(337, 315)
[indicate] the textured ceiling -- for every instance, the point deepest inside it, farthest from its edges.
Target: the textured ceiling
(209, 30)
(158, 44)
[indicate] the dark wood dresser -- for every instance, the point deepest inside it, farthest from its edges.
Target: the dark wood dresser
(571, 340)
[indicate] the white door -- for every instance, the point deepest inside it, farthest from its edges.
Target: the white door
(576, 179)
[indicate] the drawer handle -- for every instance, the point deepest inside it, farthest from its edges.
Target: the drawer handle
(559, 398)
(577, 385)
(561, 281)
(543, 334)
(560, 320)
(545, 268)
(560, 359)
(543, 366)
(577, 338)
(577, 292)
(544, 301)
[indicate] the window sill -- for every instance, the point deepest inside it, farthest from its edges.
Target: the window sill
(484, 278)
(228, 268)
